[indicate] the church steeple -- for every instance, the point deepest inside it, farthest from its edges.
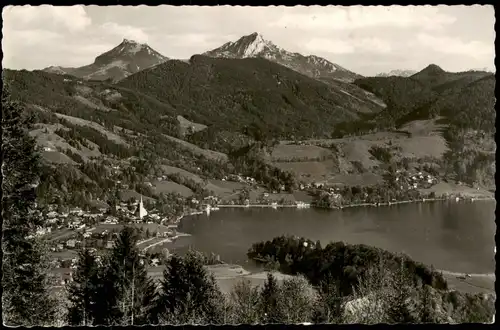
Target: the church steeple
(141, 210)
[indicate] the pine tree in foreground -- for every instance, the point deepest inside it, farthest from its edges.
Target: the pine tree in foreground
(83, 290)
(270, 312)
(426, 313)
(330, 306)
(189, 294)
(126, 295)
(26, 300)
(400, 305)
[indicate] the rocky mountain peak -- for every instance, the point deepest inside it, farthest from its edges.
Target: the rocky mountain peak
(121, 61)
(255, 45)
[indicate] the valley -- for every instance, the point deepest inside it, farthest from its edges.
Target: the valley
(196, 163)
(131, 140)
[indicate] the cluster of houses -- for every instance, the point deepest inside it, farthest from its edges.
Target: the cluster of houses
(75, 218)
(136, 214)
(239, 178)
(414, 180)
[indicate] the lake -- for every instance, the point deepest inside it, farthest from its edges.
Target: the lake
(457, 237)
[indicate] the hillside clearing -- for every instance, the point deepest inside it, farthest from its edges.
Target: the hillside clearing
(186, 174)
(210, 154)
(309, 171)
(57, 157)
(227, 275)
(288, 152)
(187, 126)
(171, 187)
(127, 194)
(46, 137)
(454, 189)
(82, 122)
(423, 127)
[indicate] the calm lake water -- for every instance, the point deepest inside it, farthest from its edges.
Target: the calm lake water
(451, 236)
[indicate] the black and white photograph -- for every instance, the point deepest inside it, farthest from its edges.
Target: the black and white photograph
(228, 165)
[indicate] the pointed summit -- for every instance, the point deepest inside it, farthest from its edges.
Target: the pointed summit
(123, 60)
(433, 69)
(255, 45)
(252, 45)
(431, 72)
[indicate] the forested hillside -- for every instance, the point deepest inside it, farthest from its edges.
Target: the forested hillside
(434, 92)
(463, 102)
(233, 93)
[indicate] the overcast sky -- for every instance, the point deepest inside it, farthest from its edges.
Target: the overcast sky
(367, 40)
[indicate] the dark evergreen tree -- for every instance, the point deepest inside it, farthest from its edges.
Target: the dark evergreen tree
(188, 293)
(399, 305)
(25, 300)
(126, 295)
(83, 291)
(426, 313)
(270, 312)
(331, 304)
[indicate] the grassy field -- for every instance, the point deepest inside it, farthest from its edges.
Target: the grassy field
(200, 151)
(126, 194)
(352, 162)
(171, 187)
(309, 171)
(364, 179)
(290, 152)
(185, 125)
(57, 157)
(188, 175)
(226, 275)
(226, 190)
(45, 136)
(423, 127)
(452, 188)
(82, 122)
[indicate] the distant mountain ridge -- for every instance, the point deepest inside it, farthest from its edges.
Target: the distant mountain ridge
(254, 45)
(123, 60)
(466, 96)
(397, 73)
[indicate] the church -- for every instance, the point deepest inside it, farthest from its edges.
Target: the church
(141, 211)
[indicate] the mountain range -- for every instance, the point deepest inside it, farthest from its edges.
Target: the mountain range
(254, 45)
(125, 59)
(244, 91)
(397, 73)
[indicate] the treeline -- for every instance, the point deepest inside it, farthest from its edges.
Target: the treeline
(343, 262)
(78, 133)
(157, 147)
(63, 185)
(198, 188)
(378, 286)
(249, 161)
(114, 289)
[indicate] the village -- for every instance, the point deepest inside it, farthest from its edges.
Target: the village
(96, 229)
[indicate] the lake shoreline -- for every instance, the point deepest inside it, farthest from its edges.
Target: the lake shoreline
(424, 200)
